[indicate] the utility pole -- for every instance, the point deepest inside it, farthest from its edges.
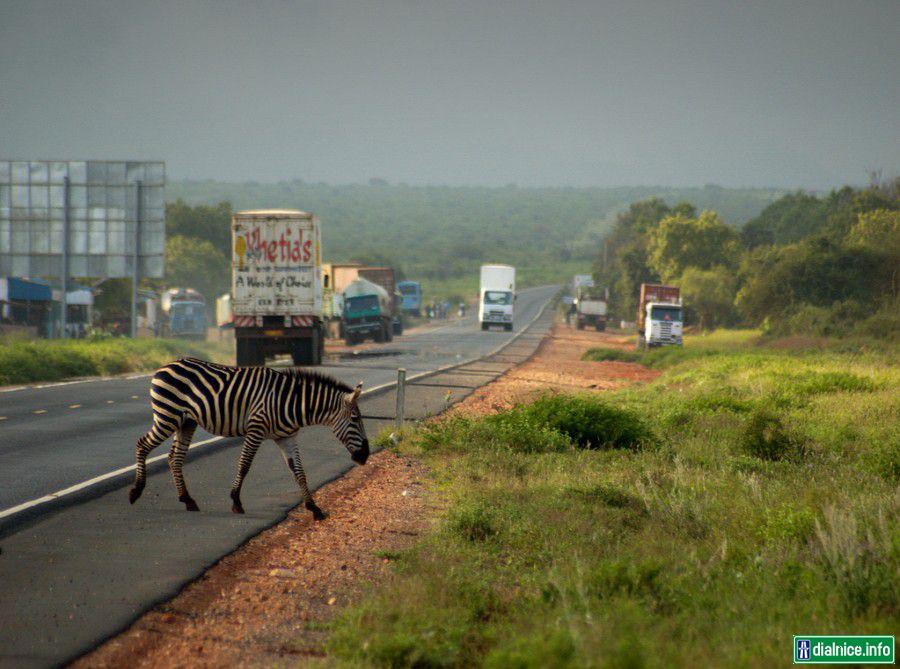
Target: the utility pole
(139, 214)
(64, 299)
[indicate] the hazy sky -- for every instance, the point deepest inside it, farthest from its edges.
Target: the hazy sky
(750, 92)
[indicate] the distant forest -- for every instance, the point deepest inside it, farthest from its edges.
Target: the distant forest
(441, 234)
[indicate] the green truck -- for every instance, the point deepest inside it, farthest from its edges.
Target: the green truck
(368, 313)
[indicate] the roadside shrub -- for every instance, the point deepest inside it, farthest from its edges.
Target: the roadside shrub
(765, 437)
(587, 421)
(609, 495)
(615, 354)
(544, 650)
(472, 522)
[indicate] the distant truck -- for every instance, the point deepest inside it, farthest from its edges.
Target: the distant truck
(384, 277)
(590, 312)
(276, 286)
(497, 296)
(183, 313)
(368, 312)
(411, 292)
(659, 318)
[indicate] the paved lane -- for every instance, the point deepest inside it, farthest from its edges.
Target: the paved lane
(77, 573)
(56, 435)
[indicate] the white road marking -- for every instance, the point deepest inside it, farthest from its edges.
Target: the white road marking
(87, 484)
(39, 411)
(98, 379)
(110, 401)
(103, 477)
(74, 406)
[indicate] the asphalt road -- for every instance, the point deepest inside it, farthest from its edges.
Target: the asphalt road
(80, 568)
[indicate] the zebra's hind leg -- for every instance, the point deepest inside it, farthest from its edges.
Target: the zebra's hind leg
(291, 455)
(157, 435)
(252, 439)
(179, 450)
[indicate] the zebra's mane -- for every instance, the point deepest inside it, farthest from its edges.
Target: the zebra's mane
(306, 374)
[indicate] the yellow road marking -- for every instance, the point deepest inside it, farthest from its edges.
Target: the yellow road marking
(110, 401)
(39, 411)
(2, 417)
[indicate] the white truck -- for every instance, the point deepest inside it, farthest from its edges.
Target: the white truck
(497, 296)
(659, 316)
(276, 286)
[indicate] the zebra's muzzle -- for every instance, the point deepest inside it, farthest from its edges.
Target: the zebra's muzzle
(362, 454)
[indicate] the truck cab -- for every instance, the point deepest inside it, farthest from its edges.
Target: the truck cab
(367, 313)
(662, 324)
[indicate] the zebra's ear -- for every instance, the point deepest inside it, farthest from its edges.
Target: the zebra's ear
(354, 396)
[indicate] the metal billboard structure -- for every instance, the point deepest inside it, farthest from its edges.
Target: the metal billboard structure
(67, 219)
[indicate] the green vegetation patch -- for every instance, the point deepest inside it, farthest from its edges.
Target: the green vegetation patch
(749, 517)
(54, 360)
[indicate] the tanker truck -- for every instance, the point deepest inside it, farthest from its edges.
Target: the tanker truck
(368, 312)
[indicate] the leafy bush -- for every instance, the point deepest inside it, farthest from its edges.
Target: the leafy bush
(472, 522)
(586, 420)
(615, 354)
(765, 437)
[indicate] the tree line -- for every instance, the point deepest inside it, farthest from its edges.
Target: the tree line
(821, 265)
(435, 234)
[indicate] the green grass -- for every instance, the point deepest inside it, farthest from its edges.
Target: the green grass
(24, 361)
(756, 498)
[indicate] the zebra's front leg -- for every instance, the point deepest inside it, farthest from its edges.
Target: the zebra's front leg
(176, 461)
(291, 454)
(252, 440)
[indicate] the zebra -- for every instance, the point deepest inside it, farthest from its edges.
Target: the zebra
(255, 403)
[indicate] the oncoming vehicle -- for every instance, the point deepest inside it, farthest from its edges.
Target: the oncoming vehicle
(497, 296)
(660, 321)
(368, 313)
(184, 313)
(411, 292)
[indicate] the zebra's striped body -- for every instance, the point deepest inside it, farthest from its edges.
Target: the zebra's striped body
(256, 403)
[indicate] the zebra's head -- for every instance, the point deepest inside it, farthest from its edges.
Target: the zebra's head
(348, 427)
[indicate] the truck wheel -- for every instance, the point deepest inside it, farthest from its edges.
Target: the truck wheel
(379, 335)
(484, 327)
(349, 339)
(580, 325)
(389, 332)
(600, 327)
(508, 327)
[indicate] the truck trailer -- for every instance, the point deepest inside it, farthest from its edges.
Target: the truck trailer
(659, 318)
(276, 286)
(497, 296)
(590, 311)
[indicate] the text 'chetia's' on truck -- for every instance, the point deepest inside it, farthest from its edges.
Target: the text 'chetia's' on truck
(497, 296)
(276, 286)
